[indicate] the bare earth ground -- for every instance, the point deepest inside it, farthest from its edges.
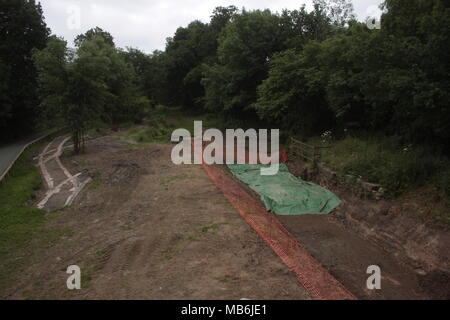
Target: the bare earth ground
(347, 253)
(413, 254)
(147, 229)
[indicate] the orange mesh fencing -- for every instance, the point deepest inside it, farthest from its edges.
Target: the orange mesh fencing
(309, 272)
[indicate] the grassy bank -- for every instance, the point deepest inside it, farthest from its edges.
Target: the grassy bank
(398, 169)
(159, 128)
(22, 230)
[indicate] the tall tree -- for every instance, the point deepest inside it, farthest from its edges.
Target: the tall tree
(294, 94)
(52, 69)
(340, 12)
(22, 28)
(95, 82)
(246, 46)
(5, 109)
(94, 32)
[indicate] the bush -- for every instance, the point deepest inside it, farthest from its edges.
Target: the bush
(383, 161)
(158, 130)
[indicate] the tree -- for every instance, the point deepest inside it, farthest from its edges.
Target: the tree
(52, 69)
(299, 27)
(183, 59)
(22, 28)
(156, 78)
(221, 16)
(99, 87)
(293, 96)
(94, 32)
(74, 90)
(246, 45)
(5, 110)
(127, 100)
(417, 32)
(93, 83)
(340, 12)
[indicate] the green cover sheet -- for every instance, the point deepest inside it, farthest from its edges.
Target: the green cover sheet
(283, 193)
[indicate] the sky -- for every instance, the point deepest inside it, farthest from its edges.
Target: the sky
(145, 24)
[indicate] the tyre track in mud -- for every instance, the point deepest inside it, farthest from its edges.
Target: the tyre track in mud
(62, 186)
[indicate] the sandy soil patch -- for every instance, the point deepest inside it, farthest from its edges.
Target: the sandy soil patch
(147, 229)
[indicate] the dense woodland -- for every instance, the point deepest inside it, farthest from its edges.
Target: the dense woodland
(304, 71)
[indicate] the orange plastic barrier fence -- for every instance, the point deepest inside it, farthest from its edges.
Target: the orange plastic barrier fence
(309, 272)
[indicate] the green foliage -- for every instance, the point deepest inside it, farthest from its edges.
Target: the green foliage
(379, 160)
(19, 221)
(303, 71)
(394, 80)
(22, 28)
(93, 33)
(183, 59)
(299, 27)
(93, 83)
(5, 111)
(245, 46)
(158, 130)
(52, 77)
(246, 49)
(293, 95)
(175, 76)
(339, 12)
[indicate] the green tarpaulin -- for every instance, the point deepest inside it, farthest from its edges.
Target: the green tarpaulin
(283, 193)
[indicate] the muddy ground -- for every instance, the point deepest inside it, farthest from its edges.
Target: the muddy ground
(413, 253)
(147, 229)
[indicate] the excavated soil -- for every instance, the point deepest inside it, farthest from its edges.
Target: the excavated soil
(148, 229)
(412, 252)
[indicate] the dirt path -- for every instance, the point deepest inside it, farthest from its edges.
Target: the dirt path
(347, 255)
(62, 186)
(147, 229)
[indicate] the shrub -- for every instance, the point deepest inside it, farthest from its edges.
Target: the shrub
(383, 161)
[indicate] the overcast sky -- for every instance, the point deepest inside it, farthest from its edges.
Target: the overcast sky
(145, 24)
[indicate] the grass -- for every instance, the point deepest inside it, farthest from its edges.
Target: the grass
(101, 253)
(98, 129)
(168, 180)
(126, 228)
(228, 279)
(22, 227)
(178, 118)
(96, 181)
(225, 279)
(399, 169)
(168, 257)
(214, 226)
(86, 278)
(142, 136)
(94, 186)
(164, 121)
